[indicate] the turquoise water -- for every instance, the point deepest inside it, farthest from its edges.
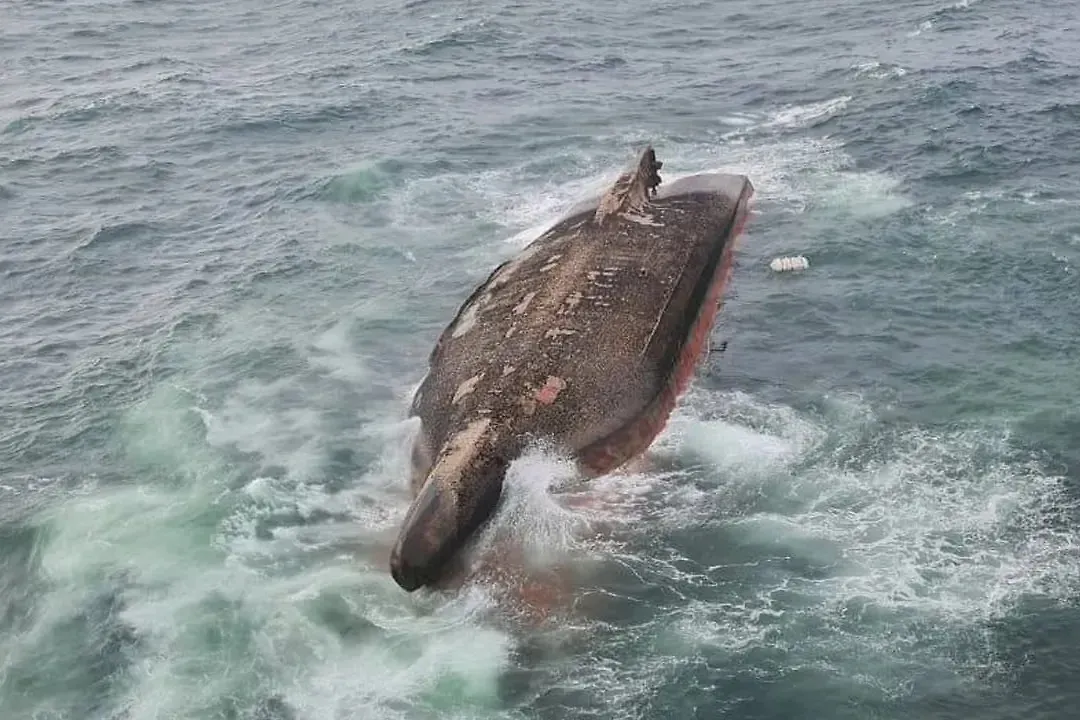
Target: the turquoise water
(232, 232)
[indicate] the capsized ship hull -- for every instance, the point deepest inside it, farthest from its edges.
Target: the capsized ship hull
(587, 337)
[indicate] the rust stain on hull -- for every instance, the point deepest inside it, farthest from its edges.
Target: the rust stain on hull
(550, 392)
(587, 337)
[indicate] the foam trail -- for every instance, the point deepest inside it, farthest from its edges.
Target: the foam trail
(943, 530)
(802, 116)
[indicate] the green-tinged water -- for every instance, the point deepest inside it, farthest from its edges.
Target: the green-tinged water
(230, 234)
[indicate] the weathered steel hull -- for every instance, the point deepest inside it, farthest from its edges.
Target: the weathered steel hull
(587, 338)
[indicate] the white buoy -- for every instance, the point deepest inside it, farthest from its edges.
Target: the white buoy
(783, 264)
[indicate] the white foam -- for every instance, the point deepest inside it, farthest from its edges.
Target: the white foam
(834, 562)
(335, 355)
(742, 121)
(796, 175)
(529, 512)
(186, 582)
(456, 663)
(863, 194)
(790, 171)
(924, 26)
(943, 528)
(808, 115)
(878, 70)
(254, 418)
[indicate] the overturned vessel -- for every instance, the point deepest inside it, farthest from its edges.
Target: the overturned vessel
(586, 338)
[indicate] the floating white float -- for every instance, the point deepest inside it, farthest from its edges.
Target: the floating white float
(784, 264)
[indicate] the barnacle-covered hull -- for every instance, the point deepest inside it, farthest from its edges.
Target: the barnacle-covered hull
(587, 338)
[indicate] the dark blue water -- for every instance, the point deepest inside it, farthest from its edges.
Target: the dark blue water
(231, 233)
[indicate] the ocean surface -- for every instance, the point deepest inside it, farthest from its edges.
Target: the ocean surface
(230, 234)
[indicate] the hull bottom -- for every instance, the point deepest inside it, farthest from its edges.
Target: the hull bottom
(634, 438)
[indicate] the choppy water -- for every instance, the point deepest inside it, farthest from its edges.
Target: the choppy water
(232, 231)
